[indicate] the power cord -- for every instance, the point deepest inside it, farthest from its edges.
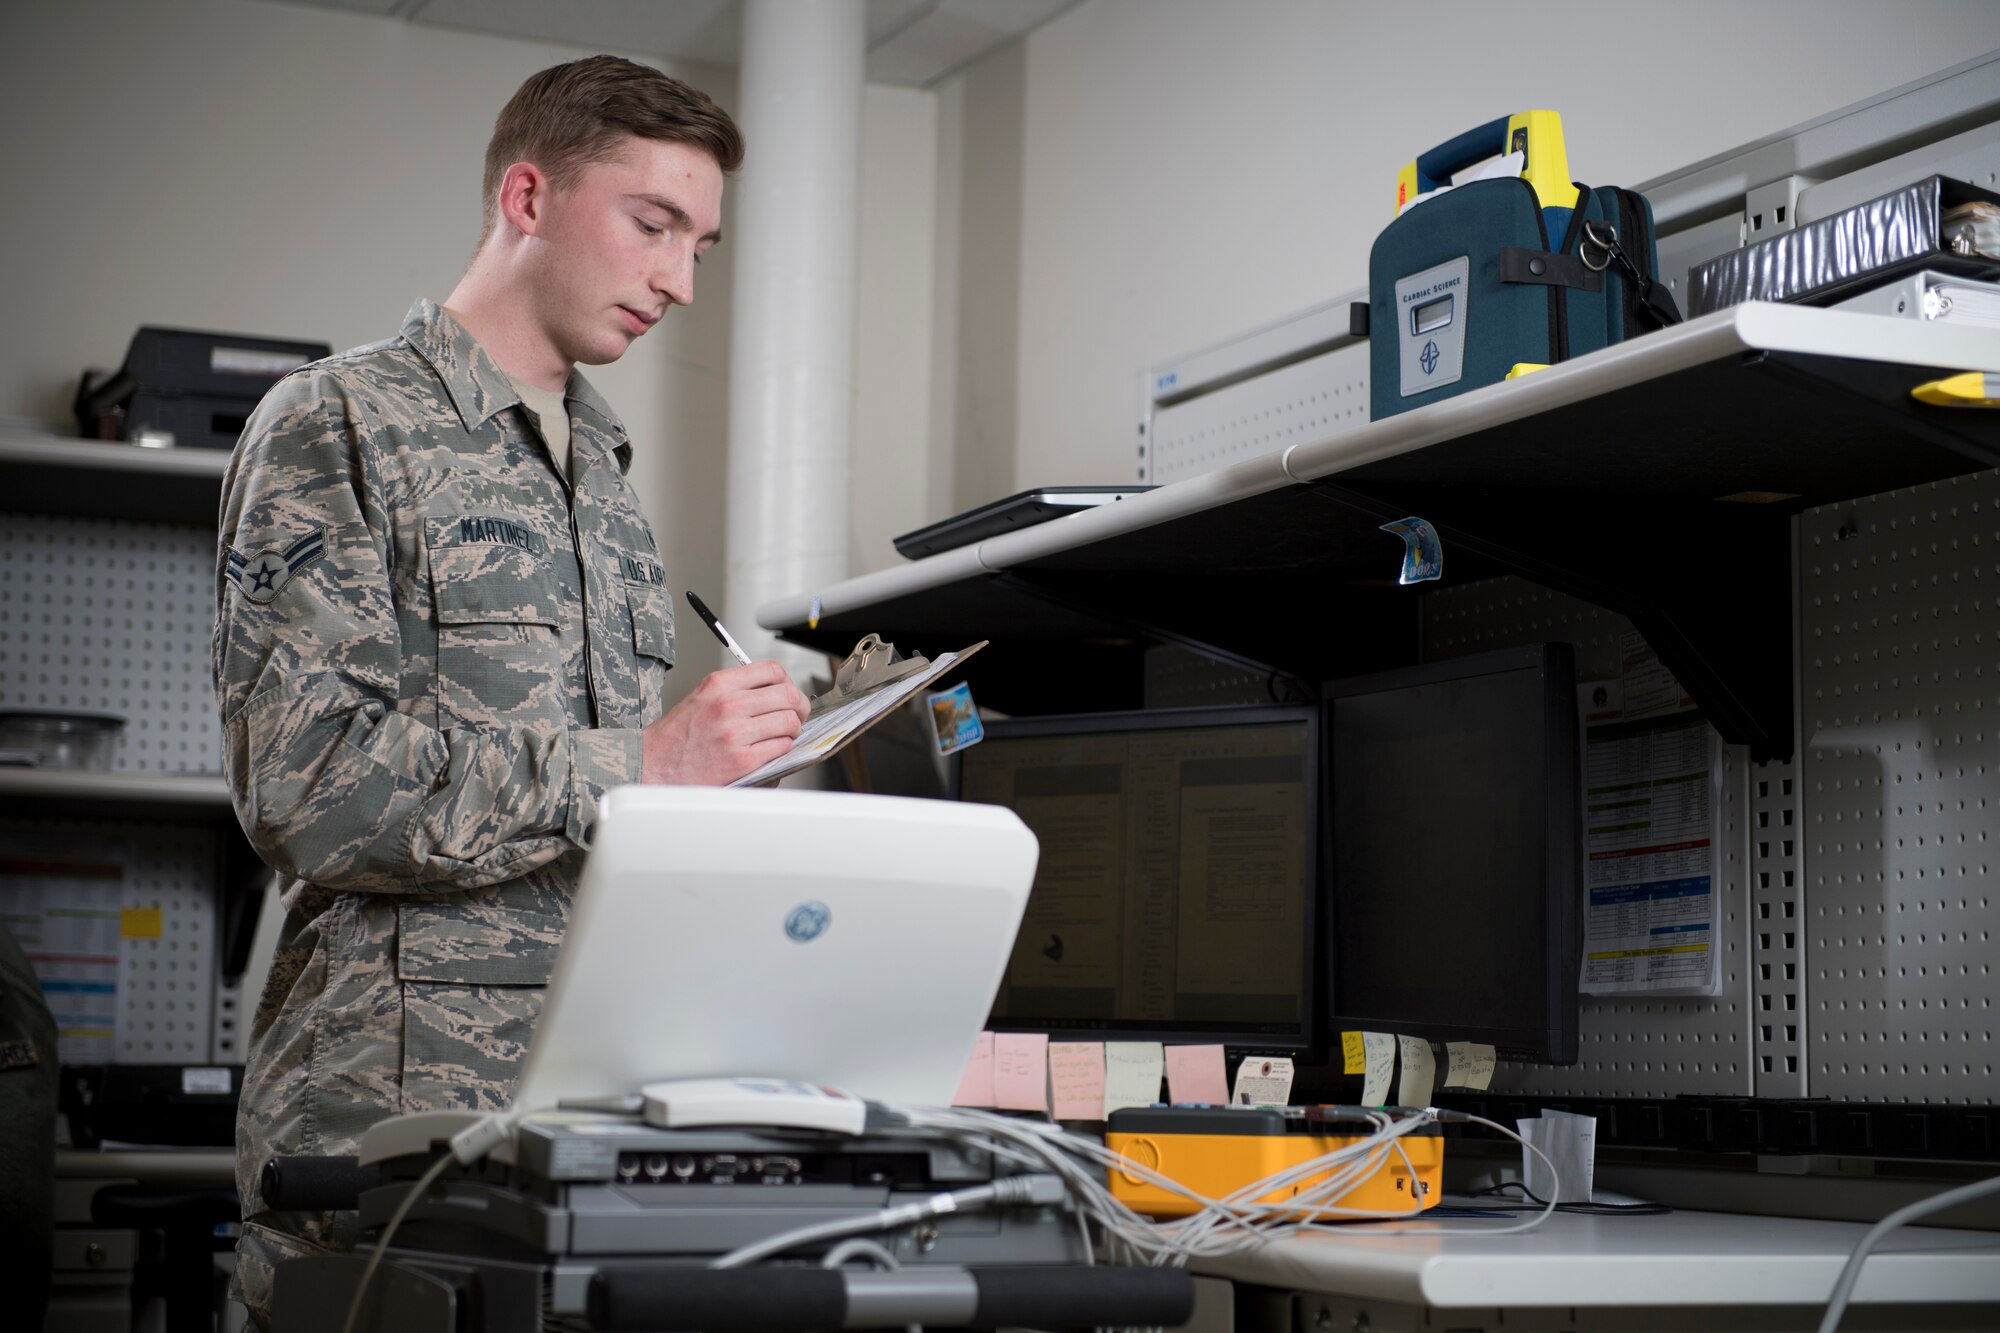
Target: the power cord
(1843, 1286)
(469, 1145)
(1061, 1169)
(867, 1249)
(416, 1192)
(1592, 1209)
(1010, 1191)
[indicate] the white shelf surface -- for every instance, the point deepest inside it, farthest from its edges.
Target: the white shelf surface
(181, 1166)
(1672, 1260)
(23, 449)
(181, 790)
(1744, 329)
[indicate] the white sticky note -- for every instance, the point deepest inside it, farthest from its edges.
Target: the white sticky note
(1468, 1064)
(1132, 1074)
(1419, 1072)
(1076, 1073)
(1264, 1082)
(1021, 1071)
(1378, 1049)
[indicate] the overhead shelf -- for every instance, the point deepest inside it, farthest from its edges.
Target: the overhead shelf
(1656, 478)
(73, 790)
(50, 474)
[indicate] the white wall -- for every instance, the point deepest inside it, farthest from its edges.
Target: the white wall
(1189, 169)
(893, 461)
(298, 171)
(1137, 178)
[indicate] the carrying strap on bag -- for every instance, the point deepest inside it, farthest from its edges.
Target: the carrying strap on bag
(1599, 250)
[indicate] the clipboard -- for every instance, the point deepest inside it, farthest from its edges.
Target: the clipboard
(871, 684)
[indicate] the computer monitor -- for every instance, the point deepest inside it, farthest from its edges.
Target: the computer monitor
(1177, 889)
(1456, 852)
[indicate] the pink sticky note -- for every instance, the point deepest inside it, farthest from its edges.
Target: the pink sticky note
(1076, 1072)
(975, 1086)
(1021, 1071)
(1194, 1074)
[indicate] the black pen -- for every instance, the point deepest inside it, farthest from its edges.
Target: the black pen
(708, 619)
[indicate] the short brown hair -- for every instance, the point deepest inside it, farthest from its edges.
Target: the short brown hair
(570, 115)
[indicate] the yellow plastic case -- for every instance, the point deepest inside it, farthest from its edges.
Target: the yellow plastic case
(1217, 1151)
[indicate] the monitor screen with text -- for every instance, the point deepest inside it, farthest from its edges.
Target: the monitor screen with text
(1175, 892)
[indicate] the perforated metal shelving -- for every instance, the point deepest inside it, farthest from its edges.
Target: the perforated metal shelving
(1318, 397)
(113, 616)
(166, 981)
(1900, 778)
(106, 581)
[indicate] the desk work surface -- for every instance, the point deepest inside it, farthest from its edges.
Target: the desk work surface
(1672, 1259)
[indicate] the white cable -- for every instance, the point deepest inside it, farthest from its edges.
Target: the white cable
(1214, 1227)
(1548, 1209)
(382, 1246)
(864, 1247)
(1007, 1191)
(1843, 1286)
(467, 1147)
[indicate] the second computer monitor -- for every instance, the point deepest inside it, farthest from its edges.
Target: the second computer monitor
(1456, 851)
(1176, 893)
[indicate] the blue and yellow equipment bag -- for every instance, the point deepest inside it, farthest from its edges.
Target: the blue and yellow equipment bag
(1498, 273)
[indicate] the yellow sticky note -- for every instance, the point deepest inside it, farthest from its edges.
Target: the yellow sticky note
(139, 923)
(1353, 1059)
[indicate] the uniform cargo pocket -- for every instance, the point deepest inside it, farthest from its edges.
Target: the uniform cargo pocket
(475, 942)
(463, 1045)
(473, 974)
(499, 663)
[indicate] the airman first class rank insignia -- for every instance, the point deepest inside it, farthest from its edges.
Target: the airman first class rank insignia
(259, 577)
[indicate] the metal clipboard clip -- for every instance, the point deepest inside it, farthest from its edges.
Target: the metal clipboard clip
(870, 666)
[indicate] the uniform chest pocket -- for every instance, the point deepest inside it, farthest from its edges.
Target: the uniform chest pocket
(499, 659)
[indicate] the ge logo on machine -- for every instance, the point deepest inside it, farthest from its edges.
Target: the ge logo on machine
(807, 922)
(1428, 358)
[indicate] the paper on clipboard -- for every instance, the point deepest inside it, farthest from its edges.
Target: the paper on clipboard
(827, 731)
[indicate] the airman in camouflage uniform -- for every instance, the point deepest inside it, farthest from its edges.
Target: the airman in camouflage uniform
(435, 648)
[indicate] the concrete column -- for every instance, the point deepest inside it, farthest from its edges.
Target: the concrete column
(791, 351)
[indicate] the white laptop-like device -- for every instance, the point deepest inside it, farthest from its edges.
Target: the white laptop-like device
(823, 937)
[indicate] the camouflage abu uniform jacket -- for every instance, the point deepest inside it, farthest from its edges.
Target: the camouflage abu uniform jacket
(433, 653)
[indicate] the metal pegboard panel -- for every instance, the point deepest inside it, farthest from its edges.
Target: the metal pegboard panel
(1776, 959)
(1178, 677)
(1511, 612)
(111, 615)
(1311, 400)
(1632, 1046)
(165, 972)
(1900, 769)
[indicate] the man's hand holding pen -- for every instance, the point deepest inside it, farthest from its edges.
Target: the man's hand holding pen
(735, 721)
